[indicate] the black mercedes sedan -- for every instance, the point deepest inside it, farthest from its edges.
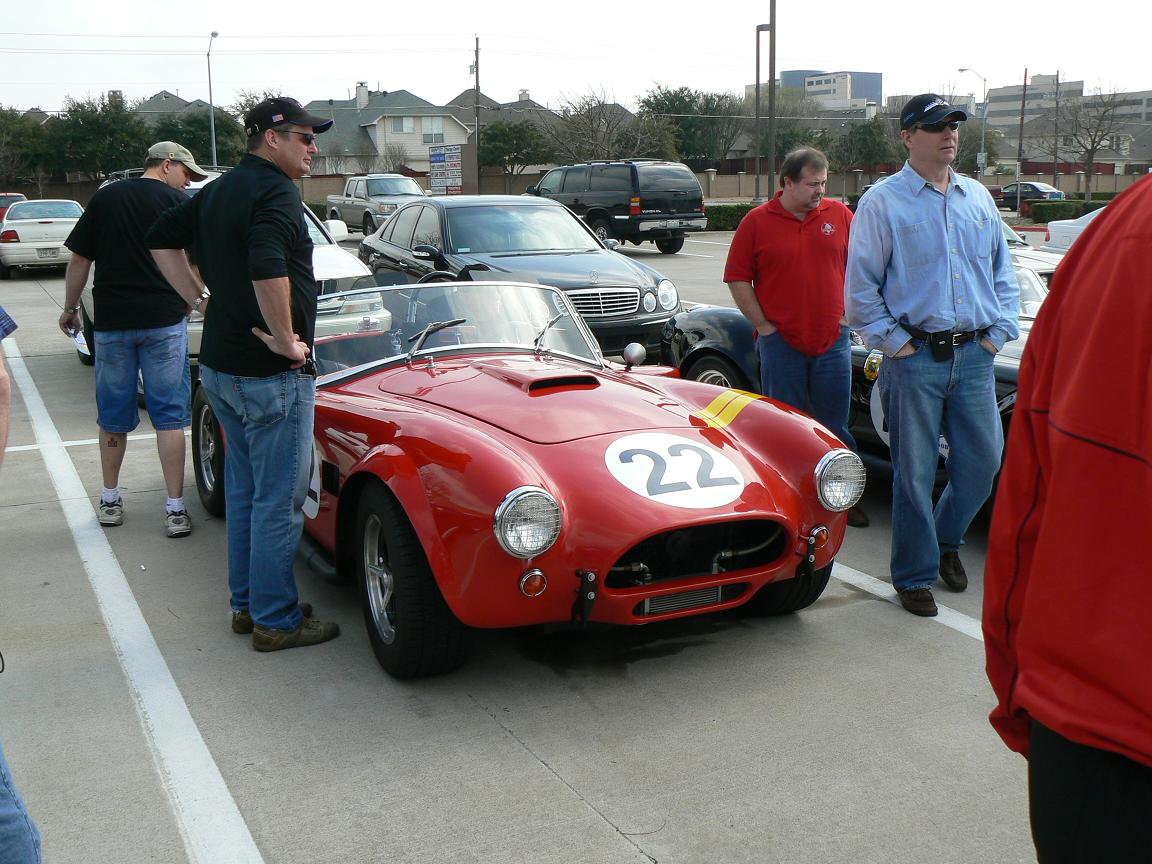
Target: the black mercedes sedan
(532, 240)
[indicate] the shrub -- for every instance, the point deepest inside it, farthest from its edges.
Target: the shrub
(1049, 211)
(321, 210)
(725, 217)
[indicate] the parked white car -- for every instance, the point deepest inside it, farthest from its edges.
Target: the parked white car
(32, 234)
(335, 269)
(1063, 232)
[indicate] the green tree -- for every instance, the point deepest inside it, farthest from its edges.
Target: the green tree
(99, 135)
(512, 147)
(246, 100)
(863, 146)
(16, 145)
(705, 125)
(193, 130)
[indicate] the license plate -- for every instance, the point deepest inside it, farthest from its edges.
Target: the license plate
(47, 253)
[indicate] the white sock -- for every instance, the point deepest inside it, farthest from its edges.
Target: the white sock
(176, 505)
(110, 495)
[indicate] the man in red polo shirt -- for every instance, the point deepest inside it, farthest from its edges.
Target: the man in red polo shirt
(785, 270)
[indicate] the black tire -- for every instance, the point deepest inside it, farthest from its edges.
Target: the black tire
(368, 225)
(602, 228)
(716, 370)
(670, 246)
(412, 631)
(5, 270)
(791, 595)
(207, 454)
(89, 332)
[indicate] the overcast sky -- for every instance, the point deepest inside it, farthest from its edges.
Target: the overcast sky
(556, 51)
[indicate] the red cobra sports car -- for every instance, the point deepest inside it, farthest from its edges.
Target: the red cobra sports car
(478, 463)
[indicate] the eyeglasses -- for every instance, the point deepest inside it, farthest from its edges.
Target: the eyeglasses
(308, 137)
(939, 127)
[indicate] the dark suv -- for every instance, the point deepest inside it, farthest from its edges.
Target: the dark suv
(630, 199)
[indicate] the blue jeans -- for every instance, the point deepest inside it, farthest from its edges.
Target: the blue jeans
(160, 356)
(267, 424)
(820, 386)
(19, 837)
(924, 398)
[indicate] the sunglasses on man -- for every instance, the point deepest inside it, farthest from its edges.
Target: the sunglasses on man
(307, 136)
(939, 127)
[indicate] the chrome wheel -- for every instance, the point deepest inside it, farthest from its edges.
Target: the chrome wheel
(378, 579)
(206, 448)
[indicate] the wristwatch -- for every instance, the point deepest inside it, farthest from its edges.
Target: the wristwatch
(71, 309)
(199, 301)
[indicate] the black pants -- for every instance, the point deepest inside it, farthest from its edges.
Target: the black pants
(1088, 806)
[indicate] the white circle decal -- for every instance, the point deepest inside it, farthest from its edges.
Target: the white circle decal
(675, 471)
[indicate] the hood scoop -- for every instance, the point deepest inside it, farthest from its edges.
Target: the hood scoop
(537, 381)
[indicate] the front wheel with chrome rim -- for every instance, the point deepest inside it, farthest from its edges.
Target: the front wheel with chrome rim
(412, 631)
(207, 454)
(712, 369)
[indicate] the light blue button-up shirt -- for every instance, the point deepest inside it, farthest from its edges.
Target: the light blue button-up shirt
(931, 260)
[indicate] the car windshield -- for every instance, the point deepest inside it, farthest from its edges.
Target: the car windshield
(384, 324)
(1011, 236)
(394, 186)
(1032, 291)
(516, 230)
(44, 210)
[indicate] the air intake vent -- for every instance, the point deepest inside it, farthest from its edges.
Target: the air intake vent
(690, 599)
(559, 381)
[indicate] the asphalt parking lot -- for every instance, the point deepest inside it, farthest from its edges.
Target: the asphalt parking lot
(140, 729)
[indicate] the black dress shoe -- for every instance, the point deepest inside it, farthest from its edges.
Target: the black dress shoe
(952, 571)
(919, 601)
(857, 518)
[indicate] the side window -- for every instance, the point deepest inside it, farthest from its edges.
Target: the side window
(358, 189)
(610, 178)
(574, 179)
(550, 185)
(428, 229)
(403, 221)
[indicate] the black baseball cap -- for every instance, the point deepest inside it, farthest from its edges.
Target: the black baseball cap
(928, 108)
(282, 111)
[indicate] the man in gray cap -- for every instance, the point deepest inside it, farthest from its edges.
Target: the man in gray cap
(140, 324)
(930, 283)
(252, 244)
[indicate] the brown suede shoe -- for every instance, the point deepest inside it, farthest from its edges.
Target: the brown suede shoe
(310, 632)
(857, 518)
(952, 571)
(242, 618)
(919, 601)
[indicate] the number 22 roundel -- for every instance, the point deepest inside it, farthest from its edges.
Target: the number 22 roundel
(675, 471)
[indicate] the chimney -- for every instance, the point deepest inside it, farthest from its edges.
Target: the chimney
(524, 97)
(362, 93)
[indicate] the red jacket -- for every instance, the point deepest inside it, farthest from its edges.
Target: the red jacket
(1068, 584)
(796, 268)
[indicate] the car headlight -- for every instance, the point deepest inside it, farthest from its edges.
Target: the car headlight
(527, 522)
(839, 480)
(649, 302)
(385, 208)
(666, 291)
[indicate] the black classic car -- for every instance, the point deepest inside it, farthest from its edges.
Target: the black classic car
(714, 344)
(529, 240)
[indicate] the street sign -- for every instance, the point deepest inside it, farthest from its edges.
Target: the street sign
(446, 170)
(981, 159)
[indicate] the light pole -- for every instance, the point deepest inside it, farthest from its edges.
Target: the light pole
(982, 156)
(211, 104)
(771, 28)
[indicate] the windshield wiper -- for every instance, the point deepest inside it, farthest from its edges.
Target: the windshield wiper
(434, 327)
(538, 343)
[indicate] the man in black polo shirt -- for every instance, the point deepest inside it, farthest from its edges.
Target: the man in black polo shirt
(252, 246)
(140, 324)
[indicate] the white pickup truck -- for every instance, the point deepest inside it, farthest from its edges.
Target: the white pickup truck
(370, 198)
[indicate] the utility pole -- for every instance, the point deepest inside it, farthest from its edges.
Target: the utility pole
(476, 108)
(772, 100)
(1056, 135)
(1020, 145)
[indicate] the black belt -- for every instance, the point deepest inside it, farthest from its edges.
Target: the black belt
(956, 337)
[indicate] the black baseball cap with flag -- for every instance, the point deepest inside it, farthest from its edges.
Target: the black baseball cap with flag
(928, 108)
(282, 111)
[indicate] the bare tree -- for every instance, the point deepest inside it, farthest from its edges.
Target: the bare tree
(1090, 122)
(394, 156)
(246, 100)
(365, 163)
(591, 127)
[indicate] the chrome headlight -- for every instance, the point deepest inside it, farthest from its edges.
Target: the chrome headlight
(527, 522)
(839, 480)
(666, 291)
(385, 209)
(649, 302)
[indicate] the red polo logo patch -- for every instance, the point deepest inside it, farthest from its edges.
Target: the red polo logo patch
(828, 228)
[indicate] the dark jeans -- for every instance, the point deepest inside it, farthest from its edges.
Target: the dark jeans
(820, 386)
(1088, 806)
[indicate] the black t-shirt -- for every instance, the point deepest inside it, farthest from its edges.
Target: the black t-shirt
(128, 289)
(247, 226)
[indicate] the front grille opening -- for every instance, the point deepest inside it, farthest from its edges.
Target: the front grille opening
(595, 303)
(699, 551)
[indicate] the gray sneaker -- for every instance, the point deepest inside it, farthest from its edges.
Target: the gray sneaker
(178, 524)
(111, 514)
(310, 632)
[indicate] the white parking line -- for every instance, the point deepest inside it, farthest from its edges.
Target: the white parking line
(958, 621)
(710, 242)
(693, 255)
(209, 820)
